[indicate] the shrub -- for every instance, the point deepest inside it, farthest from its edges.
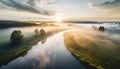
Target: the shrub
(16, 37)
(42, 32)
(101, 28)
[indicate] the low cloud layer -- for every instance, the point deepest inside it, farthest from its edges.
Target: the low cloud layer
(45, 7)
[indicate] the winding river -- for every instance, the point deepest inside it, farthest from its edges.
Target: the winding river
(49, 53)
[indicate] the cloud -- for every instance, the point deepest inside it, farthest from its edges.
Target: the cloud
(45, 7)
(107, 9)
(109, 5)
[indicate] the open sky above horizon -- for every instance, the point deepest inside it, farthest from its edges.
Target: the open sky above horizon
(66, 9)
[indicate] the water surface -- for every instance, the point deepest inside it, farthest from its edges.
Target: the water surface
(48, 54)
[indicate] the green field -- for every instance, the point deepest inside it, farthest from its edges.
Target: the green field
(100, 50)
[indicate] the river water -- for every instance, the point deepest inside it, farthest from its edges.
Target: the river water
(50, 53)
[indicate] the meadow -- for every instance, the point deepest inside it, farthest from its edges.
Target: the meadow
(95, 49)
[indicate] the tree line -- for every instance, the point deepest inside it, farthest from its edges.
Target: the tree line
(17, 36)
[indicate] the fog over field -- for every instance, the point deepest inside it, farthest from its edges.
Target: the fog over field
(59, 34)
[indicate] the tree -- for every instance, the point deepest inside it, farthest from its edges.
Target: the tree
(36, 32)
(16, 37)
(42, 32)
(101, 28)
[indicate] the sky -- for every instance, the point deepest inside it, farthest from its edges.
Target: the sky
(65, 9)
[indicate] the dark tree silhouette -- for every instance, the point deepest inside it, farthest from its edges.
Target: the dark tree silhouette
(42, 32)
(101, 28)
(16, 37)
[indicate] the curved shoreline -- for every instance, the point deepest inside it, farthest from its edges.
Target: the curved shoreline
(81, 59)
(86, 63)
(6, 58)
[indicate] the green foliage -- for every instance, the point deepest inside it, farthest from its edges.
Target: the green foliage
(16, 37)
(42, 32)
(101, 28)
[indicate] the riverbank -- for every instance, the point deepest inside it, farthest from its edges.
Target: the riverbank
(93, 49)
(10, 52)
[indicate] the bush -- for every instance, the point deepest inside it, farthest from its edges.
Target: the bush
(42, 32)
(16, 37)
(101, 28)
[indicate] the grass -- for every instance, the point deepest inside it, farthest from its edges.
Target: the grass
(92, 50)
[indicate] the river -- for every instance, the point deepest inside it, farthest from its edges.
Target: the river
(49, 53)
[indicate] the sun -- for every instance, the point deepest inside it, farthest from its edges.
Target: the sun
(58, 18)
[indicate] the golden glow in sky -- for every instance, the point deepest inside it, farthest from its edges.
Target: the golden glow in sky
(70, 9)
(58, 17)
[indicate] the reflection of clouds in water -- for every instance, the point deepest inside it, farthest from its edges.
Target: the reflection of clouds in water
(40, 56)
(43, 40)
(35, 59)
(51, 54)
